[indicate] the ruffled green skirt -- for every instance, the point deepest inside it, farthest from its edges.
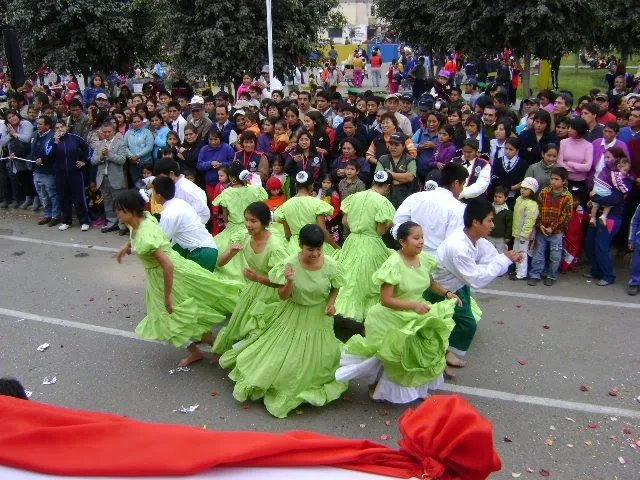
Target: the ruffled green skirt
(292, 361)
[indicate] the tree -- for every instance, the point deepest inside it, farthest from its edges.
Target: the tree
(222, 39)
(620, 26)
(82, 36)
(532, 28)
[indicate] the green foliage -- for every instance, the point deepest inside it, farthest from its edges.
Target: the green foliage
(82, 35)
(541, 27)
(620, 25)
(223, 38)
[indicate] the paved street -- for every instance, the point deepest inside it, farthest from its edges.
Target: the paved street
(526, 367)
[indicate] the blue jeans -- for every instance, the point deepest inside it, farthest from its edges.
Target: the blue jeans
(598, 246)
(45, 184)
(553, 243)
(634, 277)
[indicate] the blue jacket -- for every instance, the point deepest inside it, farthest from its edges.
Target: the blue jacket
(223, 154)
(425, 156)
(160, 141)
(65, 154)
(226, 130)
(39, 151)
(90, 94)
(139, 144)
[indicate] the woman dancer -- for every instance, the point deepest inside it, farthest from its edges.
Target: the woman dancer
(261, 251)
(368, 215)
(304, 209)
(184, 300)
(403, 353)
(295, 358)
(234, 200)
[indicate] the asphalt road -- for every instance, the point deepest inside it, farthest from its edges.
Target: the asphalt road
(85, 305)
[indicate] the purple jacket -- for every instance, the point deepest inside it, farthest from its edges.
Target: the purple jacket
(223, 154)
(444, 153)
(264, 145)
(598, 151)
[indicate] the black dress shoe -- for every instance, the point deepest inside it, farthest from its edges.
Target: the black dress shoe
(44, 220)
(123, 232)
(110, 228)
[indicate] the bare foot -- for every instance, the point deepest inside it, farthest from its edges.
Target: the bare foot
(208, 338)
(214, 359)
(454, 361)
(195, 355)
(372, 390)
(449, 374)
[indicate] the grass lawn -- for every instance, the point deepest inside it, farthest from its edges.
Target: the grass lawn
(580, 81)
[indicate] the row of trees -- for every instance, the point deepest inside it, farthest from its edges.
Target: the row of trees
(197, 37)
(540, 28)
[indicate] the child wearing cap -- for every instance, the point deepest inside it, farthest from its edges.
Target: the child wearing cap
(525, 214)
(442, 87)
(276, 196)
(555, 207)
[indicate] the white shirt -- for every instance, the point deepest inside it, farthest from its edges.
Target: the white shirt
(480, 185)
(461, 263)
(404, 124)
(194, 196)
(436, 211)
(275, 84)
(182, 225)
(178, 125)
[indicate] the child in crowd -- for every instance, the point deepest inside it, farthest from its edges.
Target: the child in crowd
(277, 171)
(328, 193)
(280, 137)
(146, 191)
(217, 221)
(634, 246)
(501, 233)
(95, 204)
(555, 205)
(509, 170)
(276, 196)
(190, 175)
(173, 145)
(574, 235)
(525, 214)
(479, 170)
(446, 147)
(610, 185)
(351, 183)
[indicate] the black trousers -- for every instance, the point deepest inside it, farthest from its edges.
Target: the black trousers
(70, 188)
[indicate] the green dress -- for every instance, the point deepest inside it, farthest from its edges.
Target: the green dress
(363, 252)
(235, 200)
(294, 359)
(254, 295)
(301, 211)
(410, 347)
(199, 299)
